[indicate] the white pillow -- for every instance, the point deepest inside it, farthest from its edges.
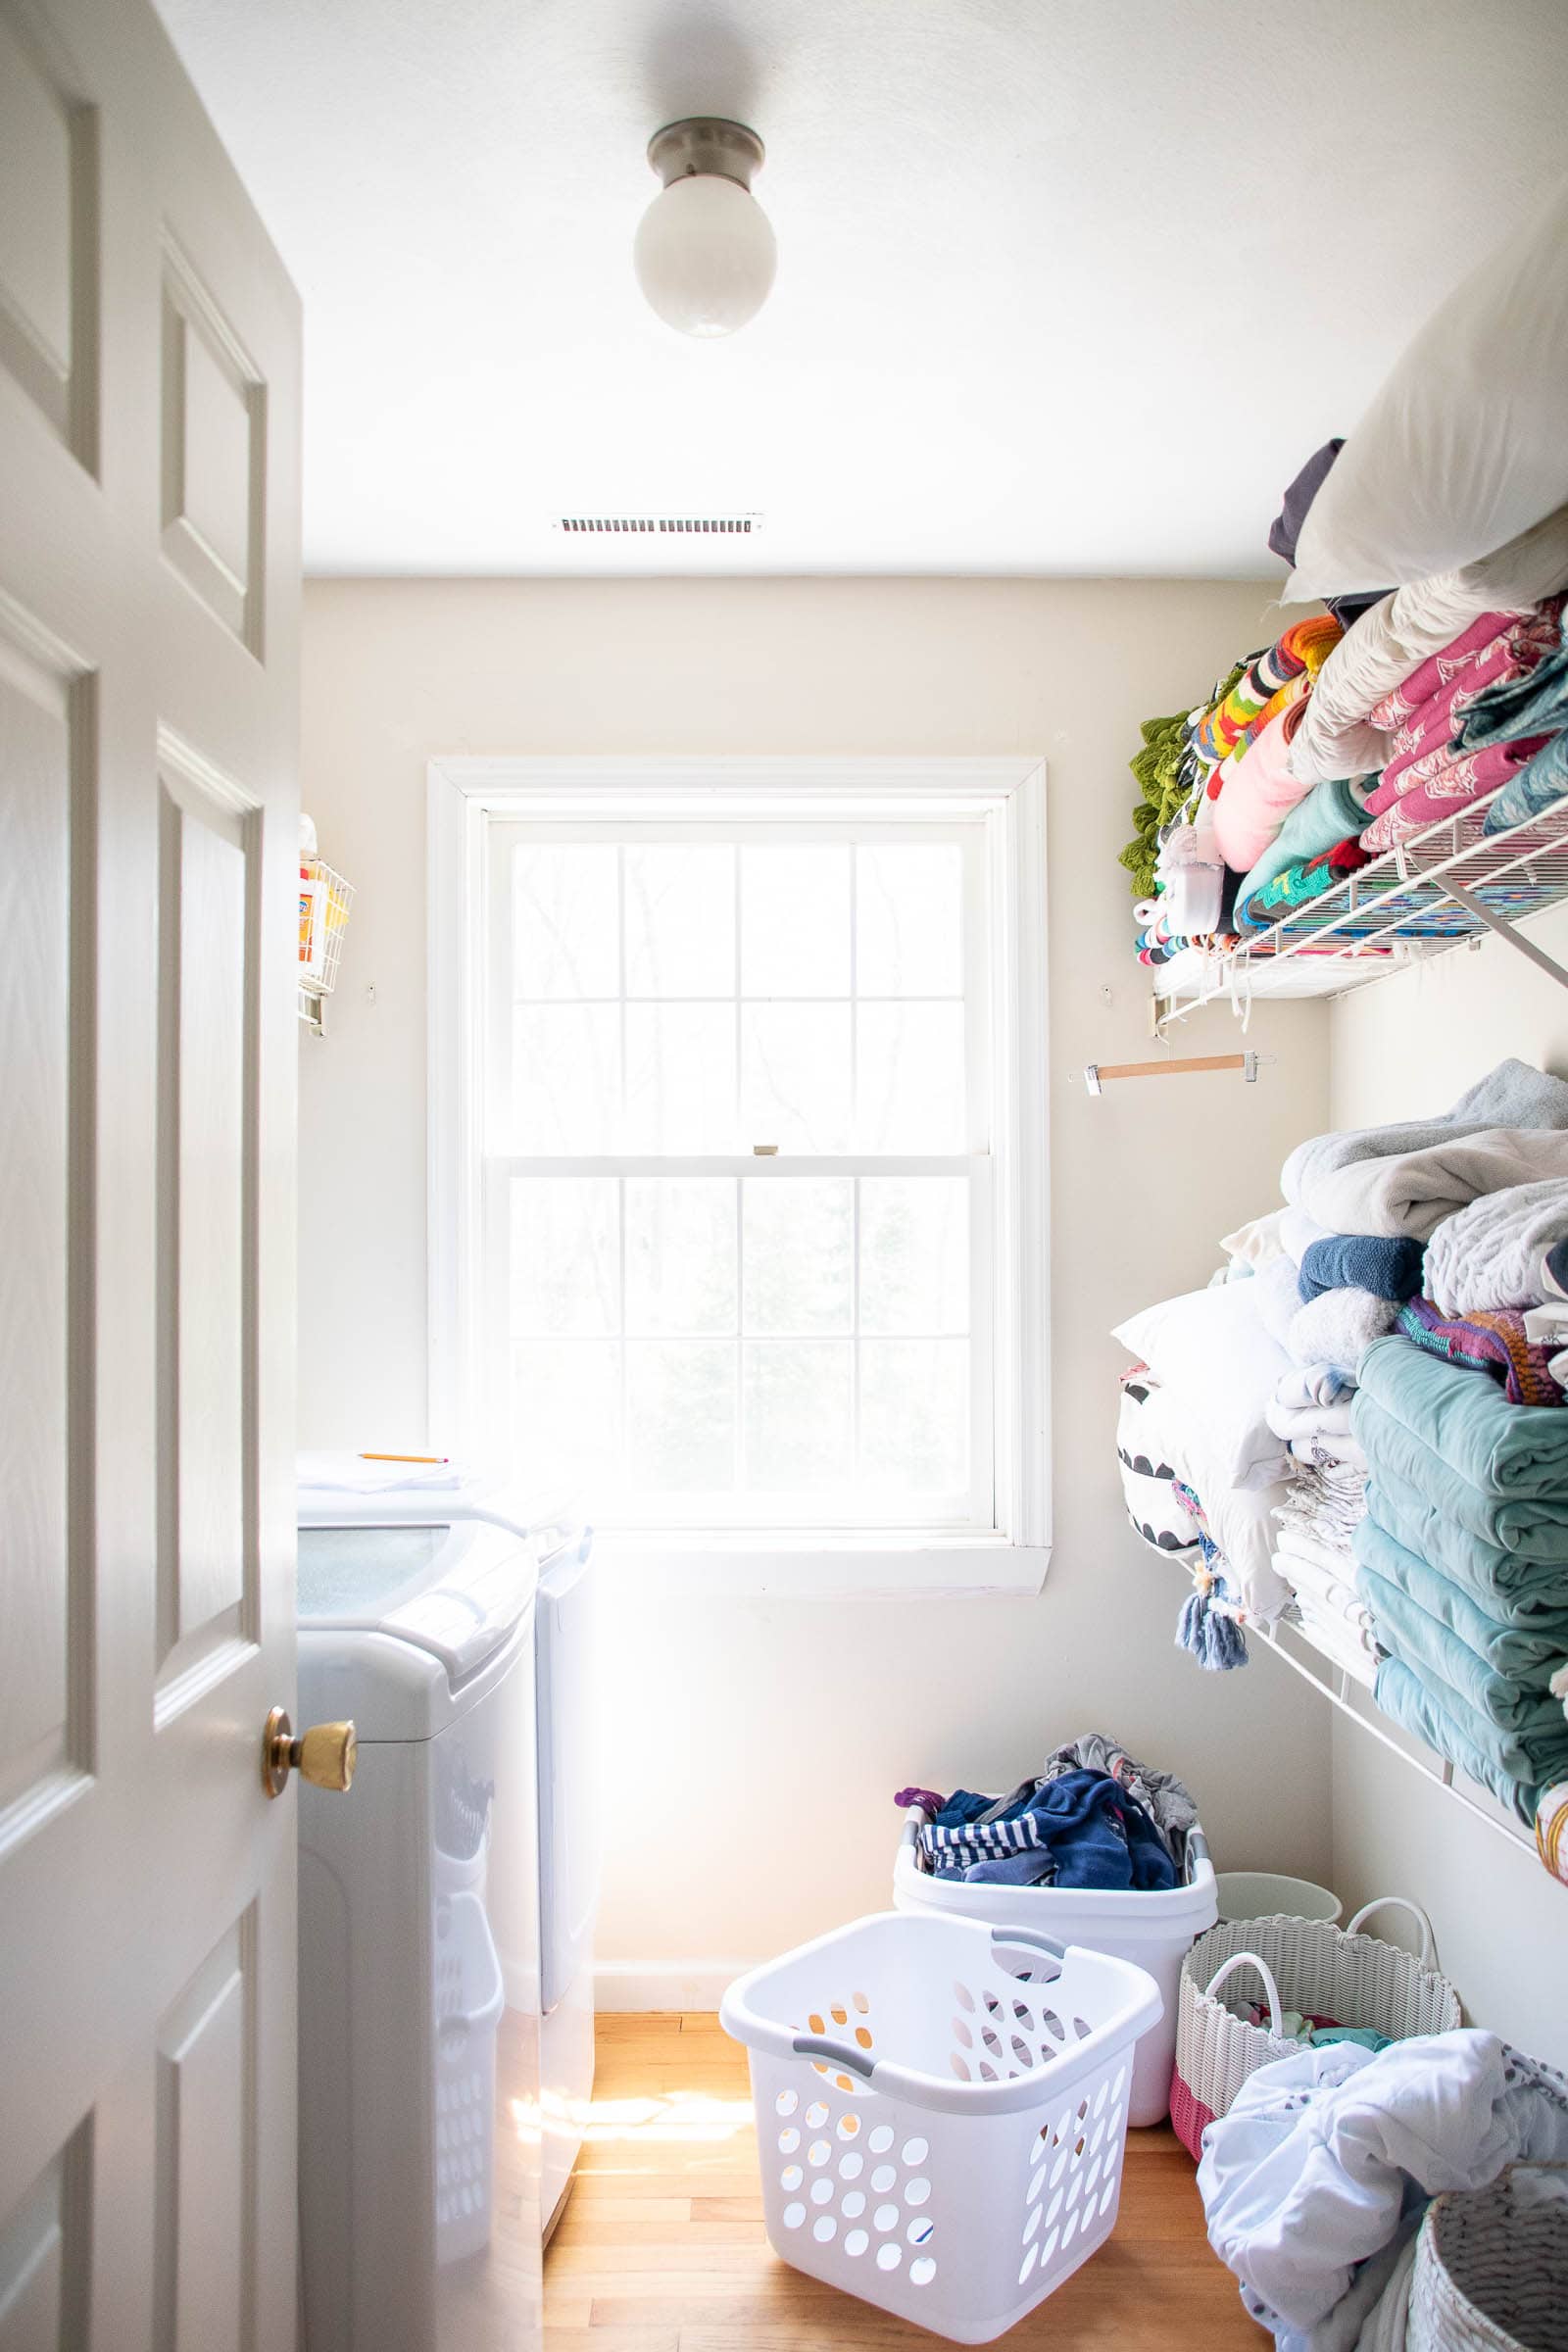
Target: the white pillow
(1239, 1519)
(1466, 445)
(1219, 1367)
(1149, 1474)
(1255, 1244)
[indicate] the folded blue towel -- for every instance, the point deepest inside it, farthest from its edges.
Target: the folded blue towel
(1402, 1540)
(1532, 704)
(1389, 1267)
(1431, 1647)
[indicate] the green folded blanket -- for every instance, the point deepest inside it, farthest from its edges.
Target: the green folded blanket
(1403, 1540)
(1449, 1727)
(1429, 1646)
(1507, 1553)
(1517, 1453)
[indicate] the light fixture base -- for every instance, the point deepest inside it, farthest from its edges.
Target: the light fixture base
(706, 145)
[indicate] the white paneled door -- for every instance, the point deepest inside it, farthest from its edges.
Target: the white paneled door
(149, 590)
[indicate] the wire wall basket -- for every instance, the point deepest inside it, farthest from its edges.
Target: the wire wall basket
(325, 899)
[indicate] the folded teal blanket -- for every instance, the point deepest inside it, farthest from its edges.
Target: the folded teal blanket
(1429, 1646)
(1503, 1550)
(1527, 1638)
(1331, 811)
(1450, 1728)
(1515, 1451)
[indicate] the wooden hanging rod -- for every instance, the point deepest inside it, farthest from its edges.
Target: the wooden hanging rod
(1096, 1073)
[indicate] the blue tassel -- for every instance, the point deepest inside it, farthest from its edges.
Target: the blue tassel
(1209, 1632)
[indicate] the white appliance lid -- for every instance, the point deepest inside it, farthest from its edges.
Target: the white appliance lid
(455, 1592)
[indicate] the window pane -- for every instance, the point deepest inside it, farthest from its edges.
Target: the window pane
(566, 1412)
(681, 1253)
(565, 1255)
(908, 920)
(680, 1078)
(914, 1253)
(798, 1240)
(798, 1411)
(565, 920)
(565, 1077)
(914, 1416)
(910, 1078)
(795, 921)
(795, 1076)
(680, 919)
(680, 1416)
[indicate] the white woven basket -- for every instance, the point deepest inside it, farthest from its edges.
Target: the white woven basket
(1302, 1964)
(1492, 2268)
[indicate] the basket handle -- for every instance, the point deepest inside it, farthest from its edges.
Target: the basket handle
(1251, 1960)
(1032, 1940)
(1196, 1852)
(839, 2054)
(1399, 1902)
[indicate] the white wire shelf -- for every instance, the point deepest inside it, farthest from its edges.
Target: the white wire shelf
(1449, 883)
(1352, 1698)
(325, 899)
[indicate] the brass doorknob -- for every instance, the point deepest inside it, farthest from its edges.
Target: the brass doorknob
(325, 1755)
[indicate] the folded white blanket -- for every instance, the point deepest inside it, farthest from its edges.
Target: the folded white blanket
(1489, 1254)
(1338, 1327)
(1412, 1191)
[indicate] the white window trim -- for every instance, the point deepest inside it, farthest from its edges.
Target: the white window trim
(463, 794)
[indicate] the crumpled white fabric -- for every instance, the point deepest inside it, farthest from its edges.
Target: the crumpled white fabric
(1323, 2154)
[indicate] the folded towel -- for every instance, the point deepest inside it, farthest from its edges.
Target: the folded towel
(1543, 780)
(1337, 1326)
(1299, 884)
(1411, 1191)
(1389, 1268)
(1505, 1452)
(1489, 1254)
(1300, 652)
(1530, 702)
(1442, 784)
(1402, 1694)
(1325, 1421)
(1311, 1384)
(1494, 1341)
(1524, 1655)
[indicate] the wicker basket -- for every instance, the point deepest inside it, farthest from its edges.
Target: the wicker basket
(1300, 1963)
(1492, 2268)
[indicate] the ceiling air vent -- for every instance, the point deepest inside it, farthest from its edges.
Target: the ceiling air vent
(608, 526)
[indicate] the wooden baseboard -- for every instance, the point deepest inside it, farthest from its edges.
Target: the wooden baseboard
(648, 1986)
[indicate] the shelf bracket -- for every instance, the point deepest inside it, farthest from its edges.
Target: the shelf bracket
(1506, 931)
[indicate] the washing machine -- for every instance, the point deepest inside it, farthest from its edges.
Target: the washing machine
(420, 2142)
(354, 1490)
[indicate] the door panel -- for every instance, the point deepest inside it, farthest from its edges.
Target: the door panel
(149, 584)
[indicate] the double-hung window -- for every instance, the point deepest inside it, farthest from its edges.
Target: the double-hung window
(749, 1233)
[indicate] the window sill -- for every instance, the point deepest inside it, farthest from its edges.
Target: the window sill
(728, 1564)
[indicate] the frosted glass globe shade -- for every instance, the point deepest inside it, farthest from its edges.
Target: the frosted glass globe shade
(704, 255)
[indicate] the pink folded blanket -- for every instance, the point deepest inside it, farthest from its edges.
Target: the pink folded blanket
(1258, 792)
(1455, 782)
(1437, 671)
(1466, 670)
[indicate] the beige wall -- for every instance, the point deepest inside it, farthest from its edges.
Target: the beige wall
(1406, 1046)
(750, 1748)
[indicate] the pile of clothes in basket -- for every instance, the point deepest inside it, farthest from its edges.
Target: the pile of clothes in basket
(1093, 1816)
(1353, 732)
(1316, 2184)
(1359, 1429)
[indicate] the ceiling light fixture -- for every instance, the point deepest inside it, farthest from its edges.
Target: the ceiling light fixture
(705, 254)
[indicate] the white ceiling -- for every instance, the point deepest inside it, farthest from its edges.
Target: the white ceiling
(1065, 286)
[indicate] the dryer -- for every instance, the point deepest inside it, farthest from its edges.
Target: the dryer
(352, 1491)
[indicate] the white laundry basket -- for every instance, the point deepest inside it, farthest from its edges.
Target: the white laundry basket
(1153, 1929)
(940, 2111)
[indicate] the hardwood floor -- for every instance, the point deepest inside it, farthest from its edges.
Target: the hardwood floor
(662, 2249)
